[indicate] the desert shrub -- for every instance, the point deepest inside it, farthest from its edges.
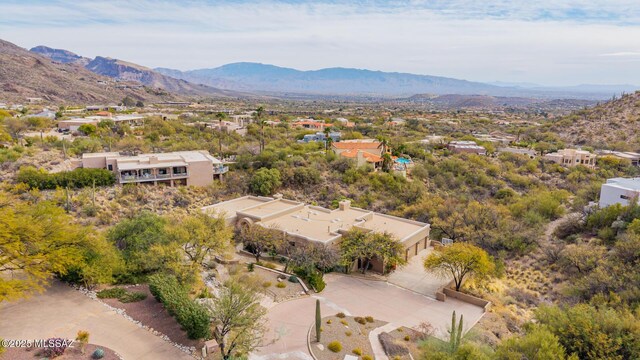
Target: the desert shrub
(55, 347)
(112, 293)
(281, 285)
(369, 318)
(266, 284)
(83, 338)
(329, 321)
(344, 322)
(407, 338)
(357, 351)
(293, 279)
(341, 315)
(569, 226)
(130, 297)
(193, 317)
(250, 267)
(335, 346)
(348, 333)
(360, 320)
(391, 347)
(265, 181)
(366, 357)
(78, 178)
(98, 354)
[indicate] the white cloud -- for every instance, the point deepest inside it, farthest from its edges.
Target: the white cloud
(498, 40)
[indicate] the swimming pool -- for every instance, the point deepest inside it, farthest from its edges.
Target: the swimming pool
(403, 161)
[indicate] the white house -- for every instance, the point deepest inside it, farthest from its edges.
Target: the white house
(619, 191)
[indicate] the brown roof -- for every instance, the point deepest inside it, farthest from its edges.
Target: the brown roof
(369, 156)
(356, 145)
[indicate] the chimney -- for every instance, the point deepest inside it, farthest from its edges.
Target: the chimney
(344, 205)
(277, 196)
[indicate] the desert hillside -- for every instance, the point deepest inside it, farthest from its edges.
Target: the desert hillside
(614, 124)
(24, 74)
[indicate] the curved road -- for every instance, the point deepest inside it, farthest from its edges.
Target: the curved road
(61, 311)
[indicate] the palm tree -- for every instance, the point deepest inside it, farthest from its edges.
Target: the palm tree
(258, 116)
(384, 144)
(327, 139)
(220, 116)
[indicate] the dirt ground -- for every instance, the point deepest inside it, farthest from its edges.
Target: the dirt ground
(151, 313)
(69, 354)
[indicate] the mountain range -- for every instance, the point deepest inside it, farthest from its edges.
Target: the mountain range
(272, 79)
(25, 74)
(126, 71)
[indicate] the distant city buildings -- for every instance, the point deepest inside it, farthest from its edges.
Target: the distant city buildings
(572, 157)
(619, 191)
(196, 168)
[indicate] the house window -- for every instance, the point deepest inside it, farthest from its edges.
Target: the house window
(110, 167)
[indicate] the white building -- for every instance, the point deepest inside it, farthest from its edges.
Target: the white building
(619, 191)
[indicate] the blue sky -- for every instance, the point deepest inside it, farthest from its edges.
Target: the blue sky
(547, 42)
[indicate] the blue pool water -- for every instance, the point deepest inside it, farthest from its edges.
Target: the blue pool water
(403, 161)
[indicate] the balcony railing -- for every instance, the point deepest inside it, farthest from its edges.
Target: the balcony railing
(148, 177)
(220, 170)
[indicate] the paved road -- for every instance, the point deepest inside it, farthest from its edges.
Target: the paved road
(289, 322)
(62, 311)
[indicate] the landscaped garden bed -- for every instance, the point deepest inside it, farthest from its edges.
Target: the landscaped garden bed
(69, 353)
(402, 342)
(344, 335)
(153, 315)
(278, 286)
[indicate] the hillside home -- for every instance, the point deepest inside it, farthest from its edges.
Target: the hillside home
(301, 223)
(320, 137)
(619, 191)
(469, 147)
(73, 124)
(311, 124)
(633, 157)
(572, 157)
(363, 151)
(196, 168)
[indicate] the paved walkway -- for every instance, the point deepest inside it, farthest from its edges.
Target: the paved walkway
(289, 322)
(62, 311)
(412, 276)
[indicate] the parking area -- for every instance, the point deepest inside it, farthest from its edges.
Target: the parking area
(413, 277)
(289, 322)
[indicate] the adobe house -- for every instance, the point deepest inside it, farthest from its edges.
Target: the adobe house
(302, 223)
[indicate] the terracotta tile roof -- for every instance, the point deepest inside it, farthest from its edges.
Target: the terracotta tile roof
(369, 156)
(356, 145)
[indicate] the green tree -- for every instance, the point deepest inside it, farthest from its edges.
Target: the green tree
(37, 240)
(459, 260)
(200, 236)
(265, 181)
(87, 129)
(367, 246)
(259, 239)
(537, 344)
(239, 319)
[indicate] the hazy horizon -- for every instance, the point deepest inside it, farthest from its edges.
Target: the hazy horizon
(551, 43)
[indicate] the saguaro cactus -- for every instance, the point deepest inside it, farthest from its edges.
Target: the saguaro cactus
(455, 334)
(318, 320)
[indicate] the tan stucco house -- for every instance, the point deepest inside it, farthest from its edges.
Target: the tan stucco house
(302, 223)
(572, 157)
(196, 168)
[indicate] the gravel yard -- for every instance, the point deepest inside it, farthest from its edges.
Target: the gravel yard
(352, 336)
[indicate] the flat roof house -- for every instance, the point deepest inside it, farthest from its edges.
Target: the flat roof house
(619, 191)
(469, 147)
(633, 157)
(572, 157)
(196, 168)
(302, 223)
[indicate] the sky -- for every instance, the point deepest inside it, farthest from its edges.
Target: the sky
(550, 42)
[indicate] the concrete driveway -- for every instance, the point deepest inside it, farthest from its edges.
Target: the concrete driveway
(62, 311)
(412, 276)
(289, 322)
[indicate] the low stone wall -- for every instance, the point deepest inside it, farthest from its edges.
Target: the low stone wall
(447, 291)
